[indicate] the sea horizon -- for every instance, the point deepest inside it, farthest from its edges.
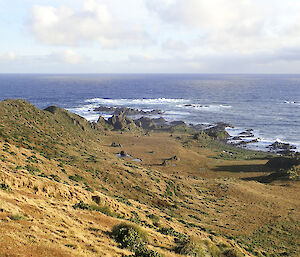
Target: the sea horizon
(268, 104)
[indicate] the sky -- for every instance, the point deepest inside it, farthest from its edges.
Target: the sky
(149, 36)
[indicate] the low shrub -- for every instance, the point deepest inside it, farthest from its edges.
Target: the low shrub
(16, 217)
(133, 238)
(145, 252)
(55, 177)
(190, 246)
(92, 207)
(76, 178)
(5, 187)
(129, 236)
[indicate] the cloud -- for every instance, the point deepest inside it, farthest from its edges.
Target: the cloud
(238, 26)
(8, 56)
(94, 22)
(174, 45)
(213, 14)
(70, 57)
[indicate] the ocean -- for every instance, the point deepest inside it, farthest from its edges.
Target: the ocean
(268, 104)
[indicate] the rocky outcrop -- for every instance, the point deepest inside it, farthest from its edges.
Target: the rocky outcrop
(145, 123)
(126, 111)
(247, 133)
(218, 131)
(121, 122)
(283, 148)
(159, 122)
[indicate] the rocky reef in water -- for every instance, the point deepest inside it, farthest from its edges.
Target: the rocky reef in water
(123, 119)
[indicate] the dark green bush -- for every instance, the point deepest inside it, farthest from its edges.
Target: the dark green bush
(129, 236)
(76, 178)
(5, 187)
(55, 177)
(145, 252)
(134, 238)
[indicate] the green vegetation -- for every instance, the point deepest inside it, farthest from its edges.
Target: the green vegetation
(134, 238)
(92, 207)
(5, 187)
(32, 170)
(204, 190)
(76, 178)
(16, 217)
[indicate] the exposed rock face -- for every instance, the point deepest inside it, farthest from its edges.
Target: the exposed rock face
(283, 148)
(246, 142)
(218, 131)
(145, 123)
(121, 122)
(159, 122)
(101, 124)
(178, 123)
(104, 109)
(126, 111)
(247, 133)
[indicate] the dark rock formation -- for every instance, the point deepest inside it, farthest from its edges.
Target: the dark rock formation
(178, 123)
(247, 133)
(159, 122)
(145, 123)
(114, 144)
(121, 122)
(105, 109)
(126, 111)
(123, 154)
(218, 131)
(281, 147)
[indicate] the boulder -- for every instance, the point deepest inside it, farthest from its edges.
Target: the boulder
(114, 144)
(123, 154)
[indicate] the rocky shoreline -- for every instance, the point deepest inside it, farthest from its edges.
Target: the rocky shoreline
(124, 118)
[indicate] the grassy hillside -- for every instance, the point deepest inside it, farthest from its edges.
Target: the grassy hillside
(64, 191)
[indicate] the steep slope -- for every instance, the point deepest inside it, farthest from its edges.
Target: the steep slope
(63, 188)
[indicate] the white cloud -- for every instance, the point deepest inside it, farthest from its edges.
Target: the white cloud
(8, 56)
(208, 14)
(174, 45)
(94, 22)
(239, 26)
(72, 57)
(67, 56)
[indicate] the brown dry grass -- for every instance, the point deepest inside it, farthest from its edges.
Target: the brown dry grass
(200, 194)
